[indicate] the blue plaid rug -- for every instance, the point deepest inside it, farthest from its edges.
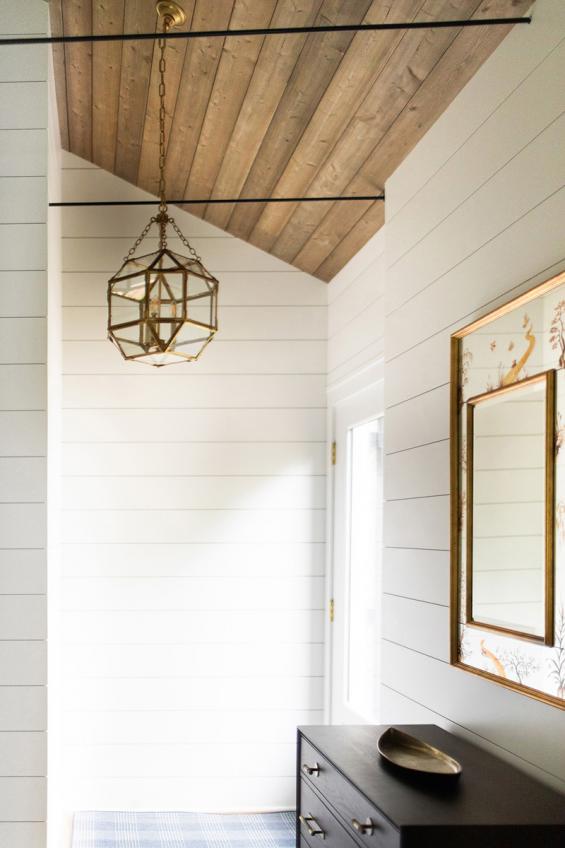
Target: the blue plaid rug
(183, 830)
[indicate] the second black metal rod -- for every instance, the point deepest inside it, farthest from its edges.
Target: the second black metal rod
(215, 200)
(230, 33)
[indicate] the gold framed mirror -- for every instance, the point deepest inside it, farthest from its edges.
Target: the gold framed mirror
(508, 494)
(510, 505)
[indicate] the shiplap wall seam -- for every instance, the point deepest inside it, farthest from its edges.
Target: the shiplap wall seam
(193, 509)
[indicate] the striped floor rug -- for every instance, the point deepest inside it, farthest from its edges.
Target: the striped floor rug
(183, 830)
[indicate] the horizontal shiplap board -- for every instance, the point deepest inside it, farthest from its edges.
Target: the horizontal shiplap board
(268, 323)
(237, 288)
(235, 525)
(23, 153)
(194, 425)
(24, 19)
(417, 472)
(22, 617)
(520, 725)
(367, 326)
(23, 105)
(194, 459)
(208, 794)
(193, 594)
(356, 365)
(22, 572)
(189, 390)
(22, 525)
(23, 199)
(23, 387)
(417, 523)
(193, 493)
(23, 293)
(417, 371)
(23, 754)
(200, 627)
(23, 62)
(222, 357)
(256, 692)
(180, 761)
(419, 625)
(23, 434)
(23, 247)
(419, 574)
(22, 834)
(23, 663)
(22, 479)
(154, 661)
(189, 560)
(508, 130)
(23, 708)
(23, 799)
(186, 727)
(23, 339)
(418, 421)
(220, 254)
(364, 291)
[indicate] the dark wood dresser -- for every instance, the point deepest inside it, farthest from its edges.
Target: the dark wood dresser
(348, 796)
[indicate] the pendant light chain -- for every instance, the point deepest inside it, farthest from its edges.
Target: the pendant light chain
(162, 114)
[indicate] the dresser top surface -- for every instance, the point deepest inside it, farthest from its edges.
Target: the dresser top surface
(489, 791)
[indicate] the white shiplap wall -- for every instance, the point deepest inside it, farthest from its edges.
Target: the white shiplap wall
(356, 316)
(192, 532)
(474, 216)
(23, 305)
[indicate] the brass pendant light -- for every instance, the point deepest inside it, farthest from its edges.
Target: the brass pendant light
(162, 306)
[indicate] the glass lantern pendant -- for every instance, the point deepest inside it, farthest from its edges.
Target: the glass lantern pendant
(162, 306)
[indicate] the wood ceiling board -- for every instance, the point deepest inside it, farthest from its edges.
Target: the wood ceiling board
(330, 113)
(312, 74)
(107, 17)
(56, 23)
(275, 64)
(357, 72)
(77, 18)
(235, 70)
(455, 68)
(199, 71)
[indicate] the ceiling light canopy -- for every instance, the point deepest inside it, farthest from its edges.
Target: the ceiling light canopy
(162, 306)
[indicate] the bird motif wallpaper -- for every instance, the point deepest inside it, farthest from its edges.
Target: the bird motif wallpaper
(522, 340)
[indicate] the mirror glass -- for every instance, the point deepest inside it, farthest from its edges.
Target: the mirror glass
(508, 478)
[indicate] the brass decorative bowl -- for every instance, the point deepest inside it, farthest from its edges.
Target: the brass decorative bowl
(410, 753)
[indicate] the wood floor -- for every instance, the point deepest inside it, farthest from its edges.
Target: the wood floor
(292, 115)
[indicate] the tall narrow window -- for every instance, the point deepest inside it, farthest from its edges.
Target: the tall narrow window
(363, 578)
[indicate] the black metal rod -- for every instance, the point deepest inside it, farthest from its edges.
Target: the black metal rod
(215, 200)
(234, 33)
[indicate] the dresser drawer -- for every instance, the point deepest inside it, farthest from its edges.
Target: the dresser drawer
(346, 800)
(318, 825)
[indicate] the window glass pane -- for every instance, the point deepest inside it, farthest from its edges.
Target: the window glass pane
(365, 555)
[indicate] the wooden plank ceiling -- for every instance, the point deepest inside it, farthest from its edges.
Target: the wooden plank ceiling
(293, 115)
